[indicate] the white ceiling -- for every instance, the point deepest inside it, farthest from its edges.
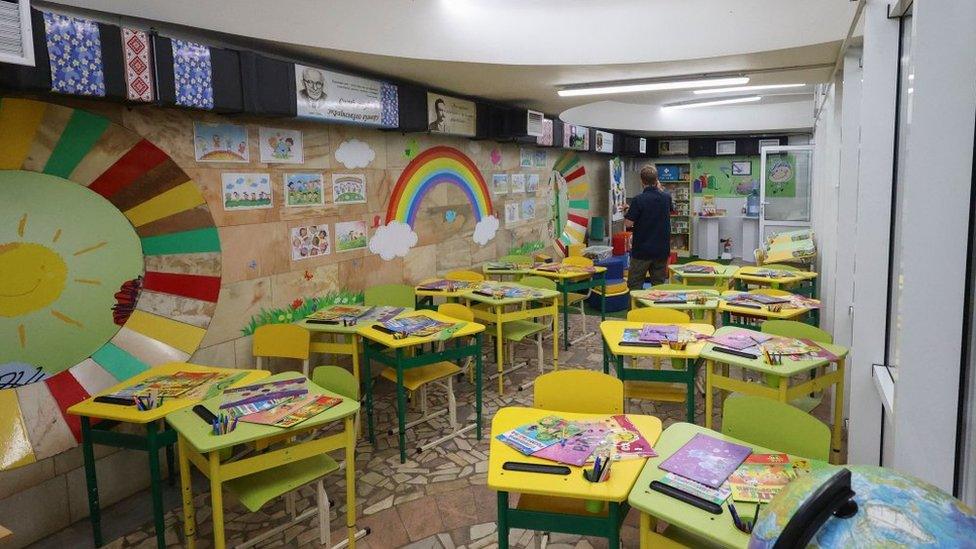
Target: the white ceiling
(520, 51)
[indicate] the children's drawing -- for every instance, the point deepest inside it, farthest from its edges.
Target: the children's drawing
(539, 158)
(528, 208)
(518, 182)
(499, 183)
(220, 142)
(310, 241)
(511, 212)
(354, 154)
(280, 146)
(348, 188)
(304, 189)
(525, 157)
(496, 157)
(618, 193)
(351, 235)
(246, 191)
(532, 183)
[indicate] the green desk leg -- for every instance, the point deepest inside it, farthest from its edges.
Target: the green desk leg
(94, 510)
(170, 461)
(613, 520)
(502, 520)
(368, 391)
(401, 408)
(603, 296)
(565, 291)
(477, 384)
(155, 479)
(690, 395)
(606, 359)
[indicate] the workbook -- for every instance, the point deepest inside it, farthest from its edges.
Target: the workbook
(797, 348)
(499, 291)
(760, 477)
(169, 385)
(337, 313)
(292, 411)
(697, 269)
(761, 299)
(739, 339)
(624, 441)
(706, 459)
(444, 285)
(532, 437)
(658, 334)
(382, 313)
(416, 326)
(772, 273)
(718, 496)
(562, 268)
(255, 398)
(576, 449)
(500, 266)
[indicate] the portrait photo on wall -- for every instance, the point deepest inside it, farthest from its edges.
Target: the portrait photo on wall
(220, 142)
(304, 189)
(310, 241)
(246, 191)
(450, 115)
(328, 95)
(280, 146)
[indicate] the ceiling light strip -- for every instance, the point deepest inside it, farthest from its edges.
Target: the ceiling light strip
(623, 87)
(749, 88)
(711, 103)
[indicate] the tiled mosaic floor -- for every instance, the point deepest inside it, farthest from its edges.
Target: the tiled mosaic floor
(436, 500)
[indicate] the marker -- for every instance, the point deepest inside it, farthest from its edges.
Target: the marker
(735, 516)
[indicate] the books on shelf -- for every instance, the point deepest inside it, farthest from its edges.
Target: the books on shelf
(706, 460)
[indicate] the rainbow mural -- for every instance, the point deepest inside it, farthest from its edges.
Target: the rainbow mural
(433, 167)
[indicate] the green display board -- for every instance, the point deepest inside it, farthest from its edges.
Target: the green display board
(737, 176)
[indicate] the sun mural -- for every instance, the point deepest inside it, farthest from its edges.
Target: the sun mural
(109, 265)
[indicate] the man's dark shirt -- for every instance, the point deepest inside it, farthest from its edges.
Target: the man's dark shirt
(651, 213)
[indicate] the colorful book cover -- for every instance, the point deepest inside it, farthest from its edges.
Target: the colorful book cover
(803, 302)
(632, 338)
(215, 386)
(761, 299)
(698, 269)
(532, 437)
(416, 326)
(718, 496)
(275, 390)
(339, 312)
(706, 459)
(382, 313)
(576, 449)
(760, 477)
(658, 334)
(796, 348)
(740, 339)
(292, 411)
(318, 405)
(248, 408)
(500, 266)
(169, 386)
(625, 441)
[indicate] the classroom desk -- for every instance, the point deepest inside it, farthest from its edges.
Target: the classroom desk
(201, 448)
(424, 299)
(751, 274)
(719, 278)
(385, 349)
(154, 439)
(572, 280)
(706, 311)
(784, 391)
(519, 271)
(758, 312)
(613, 330)
(790, 251)
(702, 525)
(494, 312)
(614, 491)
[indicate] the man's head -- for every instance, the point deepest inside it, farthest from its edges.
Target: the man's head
(648, 175)
(439, 108)
(314, 82)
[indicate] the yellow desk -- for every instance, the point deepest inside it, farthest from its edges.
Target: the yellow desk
(155, 438)
(424, 295)
(517, 271)
(704, 311)
(494, 312)
(574, 487)
(719, 278)
(570, 278)
(613, 330)
(201, 448)
(386, 349)
(753, 314)
(771, 277)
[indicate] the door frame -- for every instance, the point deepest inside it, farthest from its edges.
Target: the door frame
(763, 223)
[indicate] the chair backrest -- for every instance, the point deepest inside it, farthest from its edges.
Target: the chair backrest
(782, 267)
(578, 261)
(395, 295)
(799, 330)
(456, 310)
(770, 291)
(336, 379)
(540, 282)
(703, 262)
(598, 229)
(465, 276)
(516, 259)
(658, 315)
(669, 287)
(580, 391)
(775, 425)
(281, 341)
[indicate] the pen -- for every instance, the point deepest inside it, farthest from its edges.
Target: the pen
(756, 516)
(735, 516)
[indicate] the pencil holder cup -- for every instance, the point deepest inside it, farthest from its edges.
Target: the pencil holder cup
(774, 307)
(700, 300)
(679, 345)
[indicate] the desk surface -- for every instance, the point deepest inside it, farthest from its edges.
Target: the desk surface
(613, 332)
(750, 273)
(714, 528)
(198, 433)
(369, 332)
(535, 293)
(646, 298)
(520, 269)
(622, 475)
(571, 271)
(462, 287)
(722, 271)
(339, 328)
(130, 414)
(789, 366)
(763, 311)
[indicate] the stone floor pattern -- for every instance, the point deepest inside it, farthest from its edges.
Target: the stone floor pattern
(437, 500)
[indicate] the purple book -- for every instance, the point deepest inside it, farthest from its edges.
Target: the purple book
(658, 334)
(706, 459)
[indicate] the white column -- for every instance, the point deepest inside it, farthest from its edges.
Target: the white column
(875, 171)
(934, 237)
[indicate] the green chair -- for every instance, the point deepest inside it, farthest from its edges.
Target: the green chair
(516, 259)
(669, 286)
(598, 231)
(396, 295)
(796, 330)
(777, 426)
(341, 382)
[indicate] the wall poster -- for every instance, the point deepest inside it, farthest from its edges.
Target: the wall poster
(348, 188)
(246, 191)
(280, 146)
(451, 115)
(618, 191)
(576, 137)
(304, 189)
(672, 147)
(546, 138)
(604, 142)
(310, 241)
(219, 142)
(327, 95)
(534, 123)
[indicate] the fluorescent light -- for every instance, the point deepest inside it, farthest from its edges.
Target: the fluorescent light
(600, 89)
(749, 88)
(694, 104)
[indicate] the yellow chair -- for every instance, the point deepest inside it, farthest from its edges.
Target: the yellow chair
(657, 315)
(770, 292)
(459, 312)
(465, 276)
(416, 380)
(575, 299)
(281, 341)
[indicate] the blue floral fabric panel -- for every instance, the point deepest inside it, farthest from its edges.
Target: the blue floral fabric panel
(391, 105)
(193, 74)
(75, 49)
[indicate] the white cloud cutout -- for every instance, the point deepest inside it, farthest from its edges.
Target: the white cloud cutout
(394, 240)
(355, 154)
(485, 230)
(474, 147)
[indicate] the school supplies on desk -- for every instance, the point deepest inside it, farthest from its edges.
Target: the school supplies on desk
(706, 460)
(761, 299)
(501, 291)
(532, 437)
(760, 477)
(444, 285)
(381, 313)
(223, 424)
(214, 387)
(500, 266)
(250, 399)
(169, 386)
(576, 449)
(696, 269)
(624, 441)
(291, 412)
(740, 339)
(562, 268)
(714, 495)
(659, 334)
(416, 326)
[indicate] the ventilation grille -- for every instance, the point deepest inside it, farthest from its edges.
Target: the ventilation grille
(16, 44)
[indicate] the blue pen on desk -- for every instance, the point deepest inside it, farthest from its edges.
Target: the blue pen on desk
(735, 516)
(213, 426)
(596, 469)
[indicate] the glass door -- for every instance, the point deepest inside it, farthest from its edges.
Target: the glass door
(785, 184)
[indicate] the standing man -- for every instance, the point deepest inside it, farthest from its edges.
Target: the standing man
(649, 216)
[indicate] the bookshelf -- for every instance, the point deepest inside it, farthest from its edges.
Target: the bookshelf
(676, 179)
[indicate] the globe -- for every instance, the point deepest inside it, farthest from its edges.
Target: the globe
(894, 510)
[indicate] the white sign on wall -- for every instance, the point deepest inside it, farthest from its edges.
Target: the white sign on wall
(451, 115)
(604, 142)
(672, 147)
(533, 124)
(642, 145)
(327, 95)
